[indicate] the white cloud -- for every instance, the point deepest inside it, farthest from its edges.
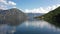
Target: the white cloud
(11, 3)
(3, 1)
(42, 9)
(3, 7)
(5, 4)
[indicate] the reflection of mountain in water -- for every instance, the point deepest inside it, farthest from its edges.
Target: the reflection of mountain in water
(52, 17)
(37, 27)
(12, 16)
(34, 27)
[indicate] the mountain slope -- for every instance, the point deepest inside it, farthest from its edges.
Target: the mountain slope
(52, 17)
(12, 16)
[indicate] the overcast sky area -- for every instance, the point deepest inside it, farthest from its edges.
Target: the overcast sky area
(30, 6)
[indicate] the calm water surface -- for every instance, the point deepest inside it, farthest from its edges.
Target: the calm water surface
(32, 27)
(37, 27)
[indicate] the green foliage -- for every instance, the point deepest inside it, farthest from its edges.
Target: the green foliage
(51, 16)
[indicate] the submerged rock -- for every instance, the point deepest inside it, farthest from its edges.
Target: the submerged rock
(12, 17)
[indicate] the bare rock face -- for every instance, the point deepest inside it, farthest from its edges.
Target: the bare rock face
(12, 17)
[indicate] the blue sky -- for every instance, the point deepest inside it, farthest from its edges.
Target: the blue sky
(30, 5)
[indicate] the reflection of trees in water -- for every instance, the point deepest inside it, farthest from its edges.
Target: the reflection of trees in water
(53, 17)
(55, 20)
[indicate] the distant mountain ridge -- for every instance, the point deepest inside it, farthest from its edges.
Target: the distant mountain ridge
(12, 16)
(35, 14)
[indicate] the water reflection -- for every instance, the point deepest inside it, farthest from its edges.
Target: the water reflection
(37, 27)
(31, 27)
(5, 29)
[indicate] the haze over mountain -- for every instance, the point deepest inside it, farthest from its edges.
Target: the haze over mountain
(12, 16)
